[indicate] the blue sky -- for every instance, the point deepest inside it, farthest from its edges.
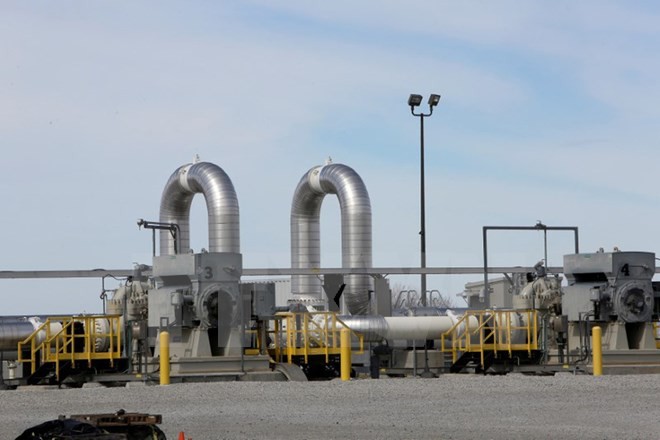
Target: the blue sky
(549, 112)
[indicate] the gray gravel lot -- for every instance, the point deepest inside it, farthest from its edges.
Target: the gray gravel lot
(450, 407)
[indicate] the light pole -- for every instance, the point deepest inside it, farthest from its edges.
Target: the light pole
(415, 101)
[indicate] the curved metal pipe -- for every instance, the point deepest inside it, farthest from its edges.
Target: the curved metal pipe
(221, 203)
(355, 208)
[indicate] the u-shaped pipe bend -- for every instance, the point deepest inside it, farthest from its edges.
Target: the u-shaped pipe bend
(356, 243)
(221, 204)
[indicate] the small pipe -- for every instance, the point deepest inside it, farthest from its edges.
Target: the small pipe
(241, 311)
(485, 250)
(545, 247)
(537, 227)
(414, 358)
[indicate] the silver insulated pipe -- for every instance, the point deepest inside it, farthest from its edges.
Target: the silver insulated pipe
(221, 203)
(14, 329)
(355, 232)
(376, 328)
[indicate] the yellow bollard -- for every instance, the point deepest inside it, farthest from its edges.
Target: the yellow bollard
(164, 358)
(345, 354)
(597, 344)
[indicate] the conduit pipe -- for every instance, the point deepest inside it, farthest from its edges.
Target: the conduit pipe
(355, 207)
(221, 203)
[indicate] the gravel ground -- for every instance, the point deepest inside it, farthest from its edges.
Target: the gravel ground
(450, 407)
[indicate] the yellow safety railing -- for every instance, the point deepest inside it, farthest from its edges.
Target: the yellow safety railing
(656, 334)
(308, 334)
(71, 339)
(481, 331)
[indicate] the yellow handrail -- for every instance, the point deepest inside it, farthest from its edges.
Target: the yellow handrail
(308, 334)
(494, 330)
(54, 341)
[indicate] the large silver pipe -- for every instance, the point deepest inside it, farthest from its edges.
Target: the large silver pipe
(355, 208)
(221, 203)
(15, 329)
(376, 328)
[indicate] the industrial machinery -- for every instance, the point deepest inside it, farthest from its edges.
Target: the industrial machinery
(611, 290)
(363, 301)
(610, 286)
(615, 291)
(220, 326)
(195, 297)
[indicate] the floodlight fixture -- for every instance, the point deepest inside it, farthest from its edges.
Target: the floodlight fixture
(433, 100)
(414, 100)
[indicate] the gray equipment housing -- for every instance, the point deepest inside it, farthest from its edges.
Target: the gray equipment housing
(611, 285)
(258, 300)
(198, 294)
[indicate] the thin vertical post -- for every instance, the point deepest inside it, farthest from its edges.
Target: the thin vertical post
(422, 232)
(485, 247)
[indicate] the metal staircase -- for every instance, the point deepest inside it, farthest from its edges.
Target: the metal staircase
(482, 339)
